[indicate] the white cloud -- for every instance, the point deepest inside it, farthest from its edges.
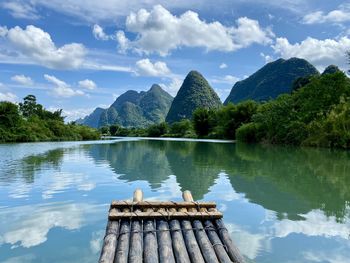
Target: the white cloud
(73, 114)
(23, 80)
(316, 223)
(20, 9)
(227, 79)
(29, 233)
(123, 42)
(110, 10)
(267, 58)
(37, 45)
(61, 88)
(145, 67)
(173, 86)
(98, 33)
(87, 84)
(223, 65)
(319, 52)
(3, 31)
(336, 16)
(8, 96)
(159, 31)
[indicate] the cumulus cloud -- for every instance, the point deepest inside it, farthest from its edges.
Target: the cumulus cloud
(19, 9)
(267, 58)
(8, 96)
(87, 84)
(145, 67)
(37, 45)
(159, 31)
(123, 42)
(316, 223)
(99, 33)
(61, 88)
(336, 16)
(3, 31)
(23, 80)
(29, 233)
(227, 79)
(173, 86)
(223, 65)
(319, 52)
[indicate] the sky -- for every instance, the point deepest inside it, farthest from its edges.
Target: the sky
(81, 54)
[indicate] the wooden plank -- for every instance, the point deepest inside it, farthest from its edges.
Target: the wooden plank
(158, 204)
(224, 235)
(216, 242)
(114, 215)
(122, 252)
(204, 243)
(179, 246)
(165, 249)
(150, 251)
(109, 242)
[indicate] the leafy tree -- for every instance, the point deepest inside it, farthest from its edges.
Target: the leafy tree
(37, 124)
(204, 121)
(9, 115)
(348, 55)
(29, 106)
(232, 116)
(182, 128)
(113, 129)
(157, 130)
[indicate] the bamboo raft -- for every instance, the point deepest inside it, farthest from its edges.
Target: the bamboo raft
(152, 232)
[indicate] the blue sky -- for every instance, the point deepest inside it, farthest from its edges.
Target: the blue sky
(80, 54)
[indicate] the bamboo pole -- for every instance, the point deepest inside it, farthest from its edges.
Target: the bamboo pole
(150, 252)
(160, 204)
(216, 243)
(135, 251)
(179, 246)
(109, 242)
(113, 215)
(190, 240)
(122, 252)
(165, 249)
(224, 235)
(201, 236)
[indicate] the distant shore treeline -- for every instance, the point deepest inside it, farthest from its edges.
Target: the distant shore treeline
(30, 122)
(315, 113)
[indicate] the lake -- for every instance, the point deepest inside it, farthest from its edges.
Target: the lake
(280, 204)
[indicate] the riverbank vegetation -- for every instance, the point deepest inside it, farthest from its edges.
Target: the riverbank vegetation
(316, 113)
(30, 122)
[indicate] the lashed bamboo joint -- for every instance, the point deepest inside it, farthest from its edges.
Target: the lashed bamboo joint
(151, 232)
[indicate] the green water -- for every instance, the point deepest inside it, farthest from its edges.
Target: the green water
(280, 204)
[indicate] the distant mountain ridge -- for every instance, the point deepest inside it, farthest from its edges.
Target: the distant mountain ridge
(195, 92)
(133, 109)
(271, 80)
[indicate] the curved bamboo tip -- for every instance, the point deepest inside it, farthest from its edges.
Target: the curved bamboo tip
(138, 195)
(187, 196)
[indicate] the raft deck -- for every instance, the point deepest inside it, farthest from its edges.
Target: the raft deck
(152, 232)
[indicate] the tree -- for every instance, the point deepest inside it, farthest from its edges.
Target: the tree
(29, 107)
(9, 115)
(203, 121)
(348, 55)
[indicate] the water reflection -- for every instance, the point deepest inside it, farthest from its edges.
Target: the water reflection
(275, 199)
(289, 181)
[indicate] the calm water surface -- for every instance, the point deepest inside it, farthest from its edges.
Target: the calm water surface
(280, 204)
